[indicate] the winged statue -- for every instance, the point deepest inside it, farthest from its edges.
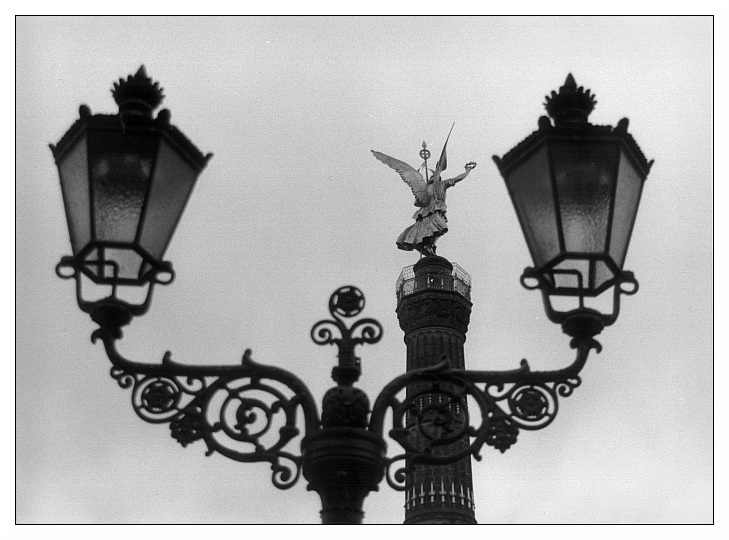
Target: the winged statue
(430, 196)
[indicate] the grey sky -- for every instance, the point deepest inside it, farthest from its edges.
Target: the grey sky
(293, 205)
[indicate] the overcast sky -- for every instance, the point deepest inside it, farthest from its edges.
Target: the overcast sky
(293, 206)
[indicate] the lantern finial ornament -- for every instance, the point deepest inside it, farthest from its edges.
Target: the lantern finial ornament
(572, 104)
(138, 94)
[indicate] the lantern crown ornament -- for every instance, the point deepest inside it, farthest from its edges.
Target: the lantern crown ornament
(576, 188)
(138, 94)
(572, 104)
(125, 179)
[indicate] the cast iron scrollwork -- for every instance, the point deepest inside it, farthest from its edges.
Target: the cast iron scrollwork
(433, 425)
(245, 412)
(248, 412)
(346, 302)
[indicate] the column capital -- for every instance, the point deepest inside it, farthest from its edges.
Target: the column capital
(434, 309)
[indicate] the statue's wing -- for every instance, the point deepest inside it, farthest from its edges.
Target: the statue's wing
(411, 177)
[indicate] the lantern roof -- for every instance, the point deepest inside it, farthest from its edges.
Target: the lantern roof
(137, 97)
(571, 104)
(138, 93)
(570, 108)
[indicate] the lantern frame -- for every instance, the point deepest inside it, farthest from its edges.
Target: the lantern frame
(569, 110)
(173, 166)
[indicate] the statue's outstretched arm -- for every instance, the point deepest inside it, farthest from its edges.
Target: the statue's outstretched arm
(469, 167)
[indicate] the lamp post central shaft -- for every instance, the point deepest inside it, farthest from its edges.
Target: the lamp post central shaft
(343, 465)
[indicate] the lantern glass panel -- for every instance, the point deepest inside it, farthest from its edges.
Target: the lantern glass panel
(530, 185)
(584, 174)
(603, 274)
(74, 173)
(171, 187)
(127, 262)
(572, 274)
(93, 267)
(627, 197)
(120, 170)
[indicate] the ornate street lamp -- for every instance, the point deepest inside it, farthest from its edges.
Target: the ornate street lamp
(576, 189)
(126, 179)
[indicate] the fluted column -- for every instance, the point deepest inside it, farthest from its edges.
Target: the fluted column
(434, 314)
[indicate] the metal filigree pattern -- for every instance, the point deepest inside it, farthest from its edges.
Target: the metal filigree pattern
(247, 412)
(433, 425)
(346, 302)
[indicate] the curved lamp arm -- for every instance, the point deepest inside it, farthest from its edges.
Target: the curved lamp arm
(245, 412)
(432, 423)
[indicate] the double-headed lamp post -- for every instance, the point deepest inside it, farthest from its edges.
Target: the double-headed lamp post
(126, 179)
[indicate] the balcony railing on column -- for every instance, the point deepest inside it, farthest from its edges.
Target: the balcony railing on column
(459, 281)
